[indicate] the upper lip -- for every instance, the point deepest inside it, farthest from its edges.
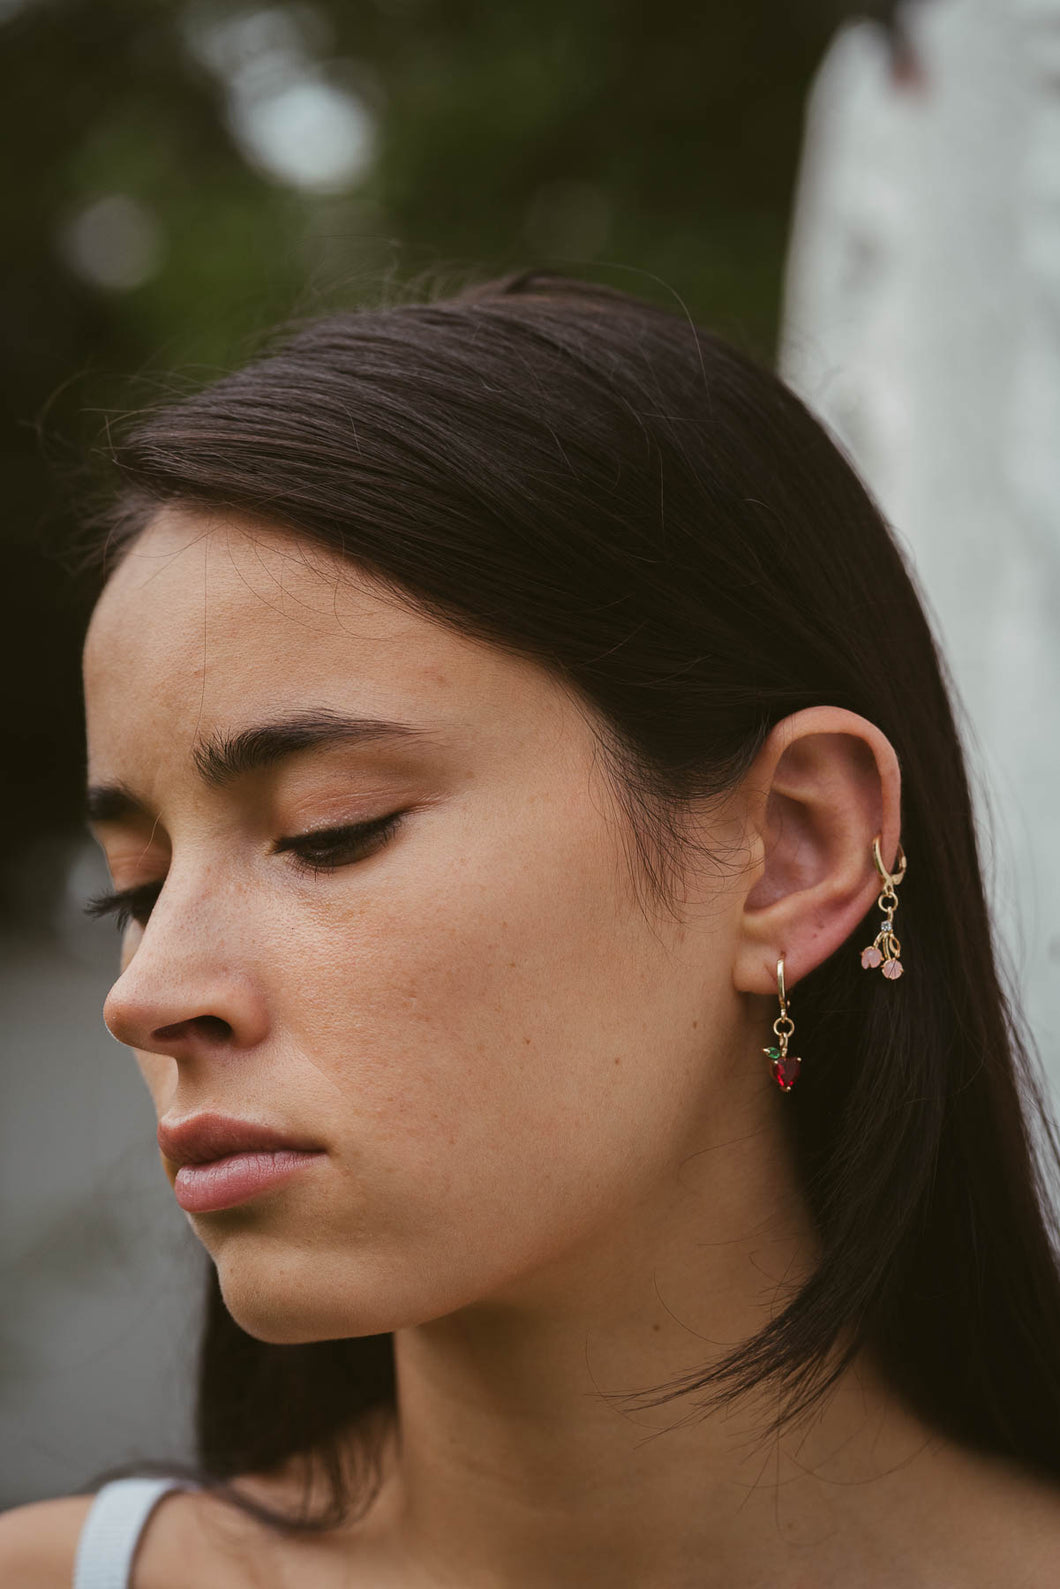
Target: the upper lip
(201, 1138)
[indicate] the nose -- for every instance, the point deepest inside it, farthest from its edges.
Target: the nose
(180, 994)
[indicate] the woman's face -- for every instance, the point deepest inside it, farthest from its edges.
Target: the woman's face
(500, 1053)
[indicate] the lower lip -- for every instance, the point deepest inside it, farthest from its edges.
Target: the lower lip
(201, 1188)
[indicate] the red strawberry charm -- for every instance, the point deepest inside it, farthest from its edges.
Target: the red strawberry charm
(785, 1067)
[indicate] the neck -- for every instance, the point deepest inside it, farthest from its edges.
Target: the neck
(518, 1461)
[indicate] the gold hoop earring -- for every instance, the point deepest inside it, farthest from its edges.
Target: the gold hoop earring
(885, 949)
(785, 1067)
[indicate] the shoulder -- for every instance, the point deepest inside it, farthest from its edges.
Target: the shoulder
(186, 1533)
(190, 1537)
(38, 1542)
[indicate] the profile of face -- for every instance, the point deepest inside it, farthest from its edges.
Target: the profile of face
(467, 1006)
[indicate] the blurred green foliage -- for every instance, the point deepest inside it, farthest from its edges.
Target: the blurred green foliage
(657, 144)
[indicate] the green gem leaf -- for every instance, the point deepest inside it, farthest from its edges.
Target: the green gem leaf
(772, 1053)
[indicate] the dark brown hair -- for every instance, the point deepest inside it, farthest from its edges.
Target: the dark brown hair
(593, 482)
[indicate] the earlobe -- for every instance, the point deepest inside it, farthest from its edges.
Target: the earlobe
(824, 786)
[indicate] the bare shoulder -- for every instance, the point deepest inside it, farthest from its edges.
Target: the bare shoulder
(197, 1537)
(38, 1542)
(188, 1538)
(203, 1537)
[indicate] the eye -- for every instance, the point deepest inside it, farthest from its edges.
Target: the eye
(326, 849)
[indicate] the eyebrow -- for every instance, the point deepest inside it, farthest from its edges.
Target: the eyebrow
(222, 758)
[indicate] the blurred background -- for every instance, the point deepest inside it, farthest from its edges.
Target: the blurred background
(863, 196)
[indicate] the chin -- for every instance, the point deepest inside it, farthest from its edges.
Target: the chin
(288, 1332)
(296, 1317)
(295, 1303)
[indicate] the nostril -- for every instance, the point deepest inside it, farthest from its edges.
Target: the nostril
(210, 1027)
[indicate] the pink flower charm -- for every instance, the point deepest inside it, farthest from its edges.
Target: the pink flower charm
(892, 970)
(872, 957)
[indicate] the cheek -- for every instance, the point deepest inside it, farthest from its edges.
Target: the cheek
(509, 1045)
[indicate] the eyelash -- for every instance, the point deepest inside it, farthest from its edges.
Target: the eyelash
(332, 846)
(324, 850)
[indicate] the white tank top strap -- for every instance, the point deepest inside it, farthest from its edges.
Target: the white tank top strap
(112, 1530)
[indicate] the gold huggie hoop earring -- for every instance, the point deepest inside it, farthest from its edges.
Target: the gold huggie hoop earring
(885, 949)
(784, 1066)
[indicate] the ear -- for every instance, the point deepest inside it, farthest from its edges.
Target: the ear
(824, 784)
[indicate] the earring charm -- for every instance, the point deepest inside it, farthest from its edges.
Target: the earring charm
(885, 949)
(784, 1066)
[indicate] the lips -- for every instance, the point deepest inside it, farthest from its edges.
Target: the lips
(200, 1139)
